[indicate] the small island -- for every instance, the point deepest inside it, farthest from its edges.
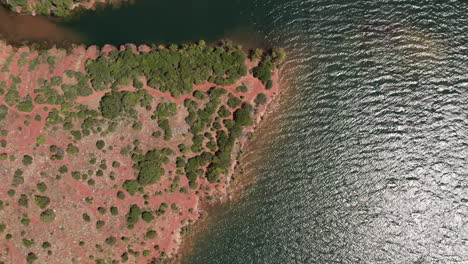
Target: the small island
(106, 153)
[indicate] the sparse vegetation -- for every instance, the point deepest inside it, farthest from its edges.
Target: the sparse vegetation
(128, 149)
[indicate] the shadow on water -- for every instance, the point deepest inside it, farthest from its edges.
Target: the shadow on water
(18, 29)
(139, 22)
(162, 22)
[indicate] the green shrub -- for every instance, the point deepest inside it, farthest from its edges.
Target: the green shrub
(111, 241)
(242, 89)
(133, 215)
(27, 160)
(28, 242)
(199, 95)
(100, 224)
(25, 106)
(114, 210)
(264, 70)
(18, 179)
(76, 134)
(257, 54)
(151, 234)
(46, 245)
(243, 117)
(233, 102)
(42, 187)
(41, 140)
(86, 217)
(147, 216)
(63, 169)
(71, 149)
(76, 175)
(3, 112)
(162, 208)
(137, 126)
(41, 201)
(47, 216)
(131, 186)
(23, 200)
(100, 144)
(260, 99)
(223, 112)
(31, 257)
(25, 221)
(115, 164)
(102, 210)
(120, 195)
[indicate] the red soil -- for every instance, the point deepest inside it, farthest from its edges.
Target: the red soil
(68, 195)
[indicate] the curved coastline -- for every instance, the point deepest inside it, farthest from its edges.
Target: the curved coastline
(80, 54)
(238, 179)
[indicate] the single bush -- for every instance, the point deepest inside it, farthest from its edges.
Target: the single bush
(260, 99)
(41, 201)
(151, 234)
(47, 216)
(147, 216)
(100, 144)
(27, 160)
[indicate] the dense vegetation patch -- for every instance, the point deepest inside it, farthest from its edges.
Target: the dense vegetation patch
(173, 70)
(59, 8)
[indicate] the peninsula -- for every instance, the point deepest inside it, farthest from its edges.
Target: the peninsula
(106, 153)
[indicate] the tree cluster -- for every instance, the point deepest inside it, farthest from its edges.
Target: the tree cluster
(173, 70)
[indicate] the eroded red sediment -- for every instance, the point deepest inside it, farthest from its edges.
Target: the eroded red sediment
(68, 195)
(17, 28)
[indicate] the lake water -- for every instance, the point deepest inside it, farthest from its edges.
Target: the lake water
(365, 158)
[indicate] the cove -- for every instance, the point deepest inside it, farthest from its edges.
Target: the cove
(162, 22)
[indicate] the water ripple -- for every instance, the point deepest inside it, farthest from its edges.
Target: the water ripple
(366, 161)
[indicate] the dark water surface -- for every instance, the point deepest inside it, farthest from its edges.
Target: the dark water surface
(366, 159)
(162, 21)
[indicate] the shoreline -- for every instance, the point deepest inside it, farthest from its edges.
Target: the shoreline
(238, 182)
(202, 199)
(17, 30)
(73, 8)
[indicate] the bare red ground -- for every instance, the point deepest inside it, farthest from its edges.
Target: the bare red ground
(68, 195)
